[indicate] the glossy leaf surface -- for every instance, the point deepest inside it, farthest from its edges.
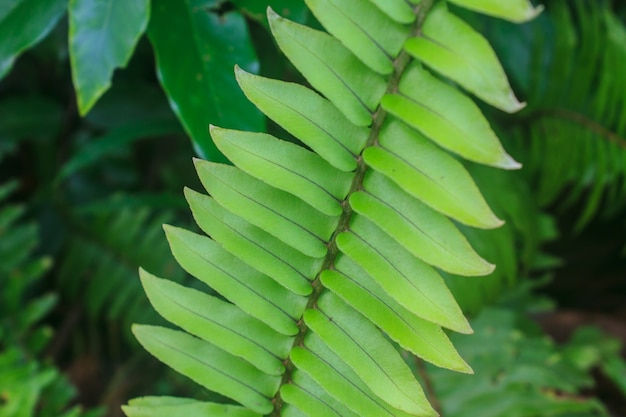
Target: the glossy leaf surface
(198, 77)
(103, 35)
(23, 23)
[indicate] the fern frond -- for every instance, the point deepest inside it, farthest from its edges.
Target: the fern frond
(100, 262)
(518, 372)
(574, 136)
(28, 385)
(327, 257)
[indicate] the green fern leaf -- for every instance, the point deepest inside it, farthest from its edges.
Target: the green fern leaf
(574, 134)
(327, 258)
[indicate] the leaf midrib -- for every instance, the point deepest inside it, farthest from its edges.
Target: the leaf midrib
(378, 118)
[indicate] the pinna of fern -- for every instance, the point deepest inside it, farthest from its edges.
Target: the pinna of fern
(327, 258)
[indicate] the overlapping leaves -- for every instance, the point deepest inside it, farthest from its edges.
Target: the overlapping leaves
(326, 256)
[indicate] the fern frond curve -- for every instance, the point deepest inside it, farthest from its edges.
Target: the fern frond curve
(327, 257)
(574, 136)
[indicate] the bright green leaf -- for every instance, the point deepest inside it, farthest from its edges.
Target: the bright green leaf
(364, 29)
(425, 233)
(409, 281)
(513, 10)
(447, 117)
(361, 345)
(262, 251)
(219, 323)
(286, 166)
(416, 335)
(453, 48)
(275, 211)
(210, 366)
(398, 10)
(254, 293)
(307, 116)
(172, 406)
(340, 76)
(428, 173)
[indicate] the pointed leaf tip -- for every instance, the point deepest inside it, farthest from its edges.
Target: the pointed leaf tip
(517, 11)
(509, 163)
(272, 15)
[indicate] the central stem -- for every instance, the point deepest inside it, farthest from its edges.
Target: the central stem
(399, 65)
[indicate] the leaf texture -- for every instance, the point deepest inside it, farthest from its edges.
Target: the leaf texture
(328, 257)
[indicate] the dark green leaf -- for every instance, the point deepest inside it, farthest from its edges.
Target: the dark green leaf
(23, 23)
(103, 35)
(196, 51)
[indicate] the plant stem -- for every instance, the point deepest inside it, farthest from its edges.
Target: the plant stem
(378, 118)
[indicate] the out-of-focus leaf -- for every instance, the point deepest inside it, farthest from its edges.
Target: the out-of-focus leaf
(23, 23)
(196, 51)
(169, 406)
(103, 35)
(117, 108)
(294, 10)
(28, 116)
(113, 140)
(135, 201)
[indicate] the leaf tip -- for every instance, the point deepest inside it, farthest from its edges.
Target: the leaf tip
(488, 267)
(272, 16)
(138, 330)
(168, 230)
(534, 12)
(198, 163)
(511, 104)
(464, 327)
(465, 369)
(507, 162)
(239, 72)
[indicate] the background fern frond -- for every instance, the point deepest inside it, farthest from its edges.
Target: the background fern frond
(572, 138)
(100, 263)
(29, 385)
(522, 372)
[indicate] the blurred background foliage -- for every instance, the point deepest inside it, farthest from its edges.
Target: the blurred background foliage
(104, 103)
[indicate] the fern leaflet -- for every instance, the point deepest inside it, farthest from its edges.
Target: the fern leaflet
(324, 256)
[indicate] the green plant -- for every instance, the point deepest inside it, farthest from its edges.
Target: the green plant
(521, 372)
(29, 385)
(572, 137)
(104, 36)
(327, 259)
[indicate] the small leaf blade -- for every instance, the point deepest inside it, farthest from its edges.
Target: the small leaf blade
(515, 10)
(209, 366)
(453, 48)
